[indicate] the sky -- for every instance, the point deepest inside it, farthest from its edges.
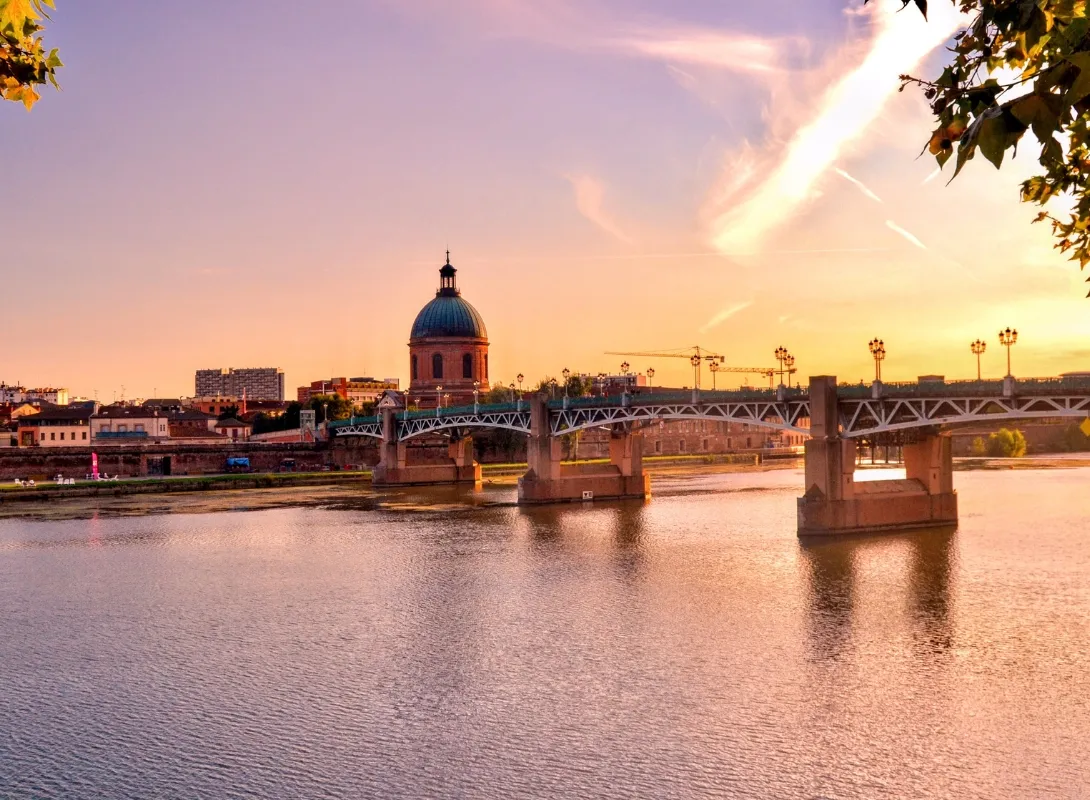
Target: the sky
(270, 185)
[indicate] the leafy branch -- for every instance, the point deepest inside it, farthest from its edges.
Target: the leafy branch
(1046, 45)
(24, 62)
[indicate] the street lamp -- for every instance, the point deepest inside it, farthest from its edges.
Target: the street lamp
(695, 361)
(650, 376)
(519, 378)
(977, 348)
(789, 364)
(567, 374)
(512, 388)
(552, 388)
(714, 367)
(781, 356)
(476, 391)
(602, 384)
(438, 399)
(878, 350)
(1008, 338)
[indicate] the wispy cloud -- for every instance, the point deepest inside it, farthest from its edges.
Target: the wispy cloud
(861, 186)
(724, 315)
(783, 178)
(737, 52)
(893, 226)
(589, 194)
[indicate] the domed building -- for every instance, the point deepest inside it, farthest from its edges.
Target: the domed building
(448, 347)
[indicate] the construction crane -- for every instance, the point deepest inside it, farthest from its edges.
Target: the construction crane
(697, 356)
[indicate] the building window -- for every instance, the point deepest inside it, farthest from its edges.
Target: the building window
(486, 366)
(52, 436)
(138, 428)
(437, 366)
(749, 443)
(658, 447)
(122, 428)
(62, 436)
(104, 429)
(704, 445)
(681, 445)
(412, 367)
(85, 436)
(467, 366)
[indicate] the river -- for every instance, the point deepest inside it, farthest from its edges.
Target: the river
(426, 645)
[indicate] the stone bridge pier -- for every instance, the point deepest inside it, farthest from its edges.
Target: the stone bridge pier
(394, 468)
(548, 481)
(834, 503)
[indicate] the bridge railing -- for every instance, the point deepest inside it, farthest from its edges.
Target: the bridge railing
(968, 388)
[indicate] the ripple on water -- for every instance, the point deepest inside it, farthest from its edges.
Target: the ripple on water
(687, 647)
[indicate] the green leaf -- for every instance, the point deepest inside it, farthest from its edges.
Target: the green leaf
(1041, 112)
(1081, 86)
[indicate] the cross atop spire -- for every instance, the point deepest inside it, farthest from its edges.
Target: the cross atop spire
(448, 256)
(447, 283)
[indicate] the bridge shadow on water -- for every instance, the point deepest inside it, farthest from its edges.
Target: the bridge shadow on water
(621, 524)
(837, 569)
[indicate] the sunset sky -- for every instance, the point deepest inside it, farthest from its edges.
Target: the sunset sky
(274, 184)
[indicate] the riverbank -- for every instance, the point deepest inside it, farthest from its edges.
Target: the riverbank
(492, 473)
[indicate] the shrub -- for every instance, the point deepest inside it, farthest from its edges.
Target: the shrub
(1007, 444)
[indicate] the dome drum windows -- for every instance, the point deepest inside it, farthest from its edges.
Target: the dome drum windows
(467, 366)
(437, 365)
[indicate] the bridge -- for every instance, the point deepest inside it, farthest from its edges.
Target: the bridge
(836, 417)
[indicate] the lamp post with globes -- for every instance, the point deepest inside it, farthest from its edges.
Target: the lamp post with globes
(476, 393)
(602, 384)
(624, 371)
(1008, 339)
(650, 377)
(513, 396)
(789, 365)
(714, 367)
(695, 361)
(438, 399)
(977, 348)
(781, 354)
(519, 378)
(567, 375)
(878, 351)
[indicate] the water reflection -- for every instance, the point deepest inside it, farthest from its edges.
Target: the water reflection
(831, 572)
(932, 567)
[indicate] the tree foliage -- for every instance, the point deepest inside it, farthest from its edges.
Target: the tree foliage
(24, 62)
(1040, 51)
(1007, 444)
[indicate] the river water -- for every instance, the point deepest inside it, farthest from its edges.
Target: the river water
(428, 646)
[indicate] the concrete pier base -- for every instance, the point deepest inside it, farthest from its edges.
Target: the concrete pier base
(393, 468)
(834, 503)
(548, 481)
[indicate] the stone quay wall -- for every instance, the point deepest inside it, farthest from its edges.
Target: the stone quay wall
(133, 461)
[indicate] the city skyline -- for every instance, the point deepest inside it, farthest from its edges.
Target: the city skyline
(717, 197)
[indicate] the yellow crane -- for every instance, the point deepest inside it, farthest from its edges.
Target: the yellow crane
(697, 356)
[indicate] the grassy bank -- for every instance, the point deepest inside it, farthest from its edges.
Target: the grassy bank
(494, 473)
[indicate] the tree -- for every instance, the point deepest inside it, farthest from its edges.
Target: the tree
(229, 412)
(24, 62)
(1044, 46)
(1007, 444)
(336, 406)
(979, 447)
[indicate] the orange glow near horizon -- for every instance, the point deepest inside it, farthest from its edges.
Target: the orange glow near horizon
(604, 183)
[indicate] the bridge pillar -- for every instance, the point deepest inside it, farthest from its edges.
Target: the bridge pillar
(547, 480)
(834, 503)
(394, 468)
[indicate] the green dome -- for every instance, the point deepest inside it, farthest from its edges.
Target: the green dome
(448, 315)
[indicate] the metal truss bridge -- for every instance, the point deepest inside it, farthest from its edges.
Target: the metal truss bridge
(864, 411)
